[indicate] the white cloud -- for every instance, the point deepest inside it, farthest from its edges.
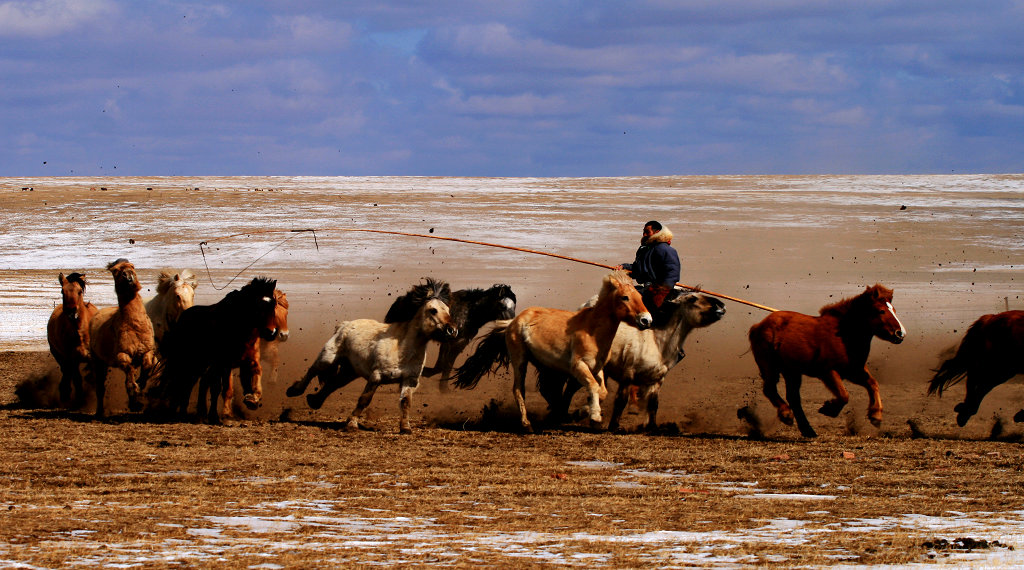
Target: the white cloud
(45, 18)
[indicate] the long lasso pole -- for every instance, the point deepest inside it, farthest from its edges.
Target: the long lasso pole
(483, 243)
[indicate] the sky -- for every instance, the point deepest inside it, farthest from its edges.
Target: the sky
(520, 88)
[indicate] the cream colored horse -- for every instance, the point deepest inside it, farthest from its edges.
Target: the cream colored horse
(175, 292)
(382, 353)
(576, 343)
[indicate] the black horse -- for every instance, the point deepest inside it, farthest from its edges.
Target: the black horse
(470, 310)
(208, 341)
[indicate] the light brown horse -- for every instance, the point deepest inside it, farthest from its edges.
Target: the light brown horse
(122, 337)
(68, 334)
(175, 292)
(639, 359)
(575, 343)
(250, 369)
(831, 347)
(991, 352)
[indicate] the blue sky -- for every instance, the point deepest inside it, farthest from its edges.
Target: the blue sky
(524, 88)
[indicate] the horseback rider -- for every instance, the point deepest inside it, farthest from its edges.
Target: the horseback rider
(656, 267)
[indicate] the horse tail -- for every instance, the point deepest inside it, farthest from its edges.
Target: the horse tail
(954, 369)
(491, 352)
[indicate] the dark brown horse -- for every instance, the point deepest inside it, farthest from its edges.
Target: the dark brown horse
(832, 347)
(68, 334)
(990, 353)
(250, 369)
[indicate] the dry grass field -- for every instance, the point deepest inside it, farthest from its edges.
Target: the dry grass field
(128, 491)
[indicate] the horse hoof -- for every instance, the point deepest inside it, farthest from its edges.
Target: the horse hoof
(830, 410)
(135, 405)
(961, 419)
(351, 426)
(877, 422)
(313, 401)
(1019, 416)
(405, 430)
(786, 418)
(252, 403)
(293, 391)
(810, 433)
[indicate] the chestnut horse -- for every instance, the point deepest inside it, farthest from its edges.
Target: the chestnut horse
(470, 310)
(575, 343)
(250, 370)
(832, 346)
(992, 352)
(68, 334)
(209, 340)
(639, 359)
(175, 292)
(122, 337)
(382, 353)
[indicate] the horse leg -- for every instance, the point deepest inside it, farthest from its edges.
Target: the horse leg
(217, 378)
(330, 381)
(979, 384)
(408, 386)
(519, 392)
(131, 373)
(652, 407)
(770, 388)
(834, 384)
(595, 384)
(364, 401)
(98, 373)
(793, 382)
(874, 398)
(227, 410)
(250, 375)
(323, 365)
(621, 399)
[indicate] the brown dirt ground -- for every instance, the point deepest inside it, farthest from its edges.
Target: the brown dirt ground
(130, 490)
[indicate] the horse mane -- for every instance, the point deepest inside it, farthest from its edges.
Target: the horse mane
(166, 279)
(261, 286)
(115, 262)
(405, 307)
(77, 278)
(842, 307)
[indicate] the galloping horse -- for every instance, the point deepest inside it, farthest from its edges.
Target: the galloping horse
(175, 292)
(575, 343)
(250, 370)
(470, 310)
(382, 353)
(640, 358)
(832, 346)
(122, 337)
(992, 352)
(68, 334)
(209, 340)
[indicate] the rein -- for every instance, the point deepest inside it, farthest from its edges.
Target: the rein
(430, 236)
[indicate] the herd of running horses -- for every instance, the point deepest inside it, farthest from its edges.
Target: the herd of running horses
(166, 346)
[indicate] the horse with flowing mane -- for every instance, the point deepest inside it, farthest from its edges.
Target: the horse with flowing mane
(382, 353)
(991, 352)
(175, 292)
(831, 347)
(470, 310)
(67, 332)
(575, 343)
(209, 340)
(639, 358)
(250, 369)
(122, 337)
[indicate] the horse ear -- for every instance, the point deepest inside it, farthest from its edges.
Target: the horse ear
(61, 279)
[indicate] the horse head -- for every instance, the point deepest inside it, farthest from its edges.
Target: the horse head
(281, 314)
(179, 290)
(259, 295)
(696, 309)
(506, 301)
(126, 281)
(72, 291)
(629, 307)
(882, 318)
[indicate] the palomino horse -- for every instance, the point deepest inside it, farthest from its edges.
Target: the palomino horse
(382, 353)
(250, 369)
(175, 292)
(991, 353)
(832, 346)
(122, 337)
(640, 358)
(209, 340)
(575, 343)
(470, 309)
(68, 334)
